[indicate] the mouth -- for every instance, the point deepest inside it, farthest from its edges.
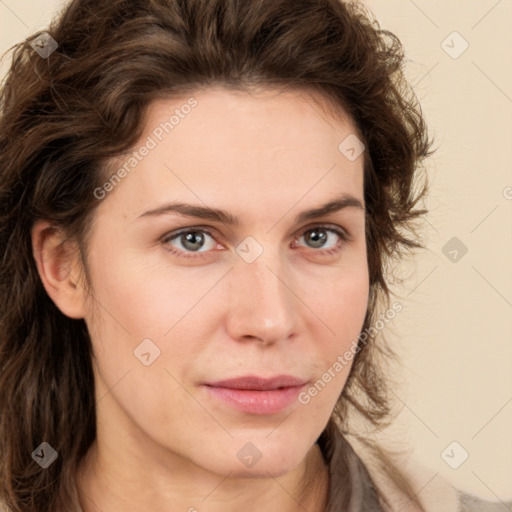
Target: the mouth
(257, 395)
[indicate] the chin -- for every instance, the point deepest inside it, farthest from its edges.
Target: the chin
(259, 459)
(269, 469)
(271, 472)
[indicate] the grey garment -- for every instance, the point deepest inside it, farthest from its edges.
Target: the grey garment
(351, 488)
(470, 503)
(364, 496)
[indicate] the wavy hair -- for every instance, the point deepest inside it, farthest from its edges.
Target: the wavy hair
(64, 117)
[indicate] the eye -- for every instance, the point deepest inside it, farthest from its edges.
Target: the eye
(319, 237)
(191, 240)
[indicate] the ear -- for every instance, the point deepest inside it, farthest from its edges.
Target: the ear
(58, 266)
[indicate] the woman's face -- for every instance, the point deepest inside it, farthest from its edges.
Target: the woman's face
(184, 300)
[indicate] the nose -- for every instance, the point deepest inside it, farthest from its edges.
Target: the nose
(262, 303)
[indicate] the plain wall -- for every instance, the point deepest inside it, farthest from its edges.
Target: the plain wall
(455, 331)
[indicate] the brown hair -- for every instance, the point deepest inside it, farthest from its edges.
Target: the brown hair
(63, 117)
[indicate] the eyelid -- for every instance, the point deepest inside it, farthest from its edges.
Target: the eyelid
(188, 229)
(208, 229)
(172, 235)
(329, 226)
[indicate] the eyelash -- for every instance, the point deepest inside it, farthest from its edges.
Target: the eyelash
(181, 254)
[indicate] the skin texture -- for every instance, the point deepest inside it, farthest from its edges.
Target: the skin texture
(163, 442)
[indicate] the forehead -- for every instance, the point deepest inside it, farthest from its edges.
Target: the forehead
(236, 146)
(255, 116)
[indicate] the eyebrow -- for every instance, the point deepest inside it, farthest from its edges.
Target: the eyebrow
(189, 210)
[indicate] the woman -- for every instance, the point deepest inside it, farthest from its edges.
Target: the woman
(199, 200)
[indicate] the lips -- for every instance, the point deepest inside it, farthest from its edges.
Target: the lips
(257, 395)
(259, 383)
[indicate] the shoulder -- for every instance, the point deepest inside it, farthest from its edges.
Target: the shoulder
(435, 492)
(470, 503)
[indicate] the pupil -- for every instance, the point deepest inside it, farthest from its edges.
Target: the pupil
(317, 236)
(193, 238)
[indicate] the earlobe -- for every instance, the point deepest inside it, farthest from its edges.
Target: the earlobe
(58, 270)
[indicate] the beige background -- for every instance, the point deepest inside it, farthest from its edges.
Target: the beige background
(455, 332)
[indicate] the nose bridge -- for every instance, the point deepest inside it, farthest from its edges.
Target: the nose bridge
(262, 304)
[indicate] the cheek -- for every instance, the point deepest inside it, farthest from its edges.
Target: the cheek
(144, 296)
(341, 301)
(137, 302)
(340, 310)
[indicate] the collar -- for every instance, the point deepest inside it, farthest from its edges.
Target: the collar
(435, 493)
(358, 476)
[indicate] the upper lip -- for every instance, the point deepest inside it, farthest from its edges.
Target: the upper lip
(259, 383)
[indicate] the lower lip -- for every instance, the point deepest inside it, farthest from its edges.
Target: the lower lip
(257, 402)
